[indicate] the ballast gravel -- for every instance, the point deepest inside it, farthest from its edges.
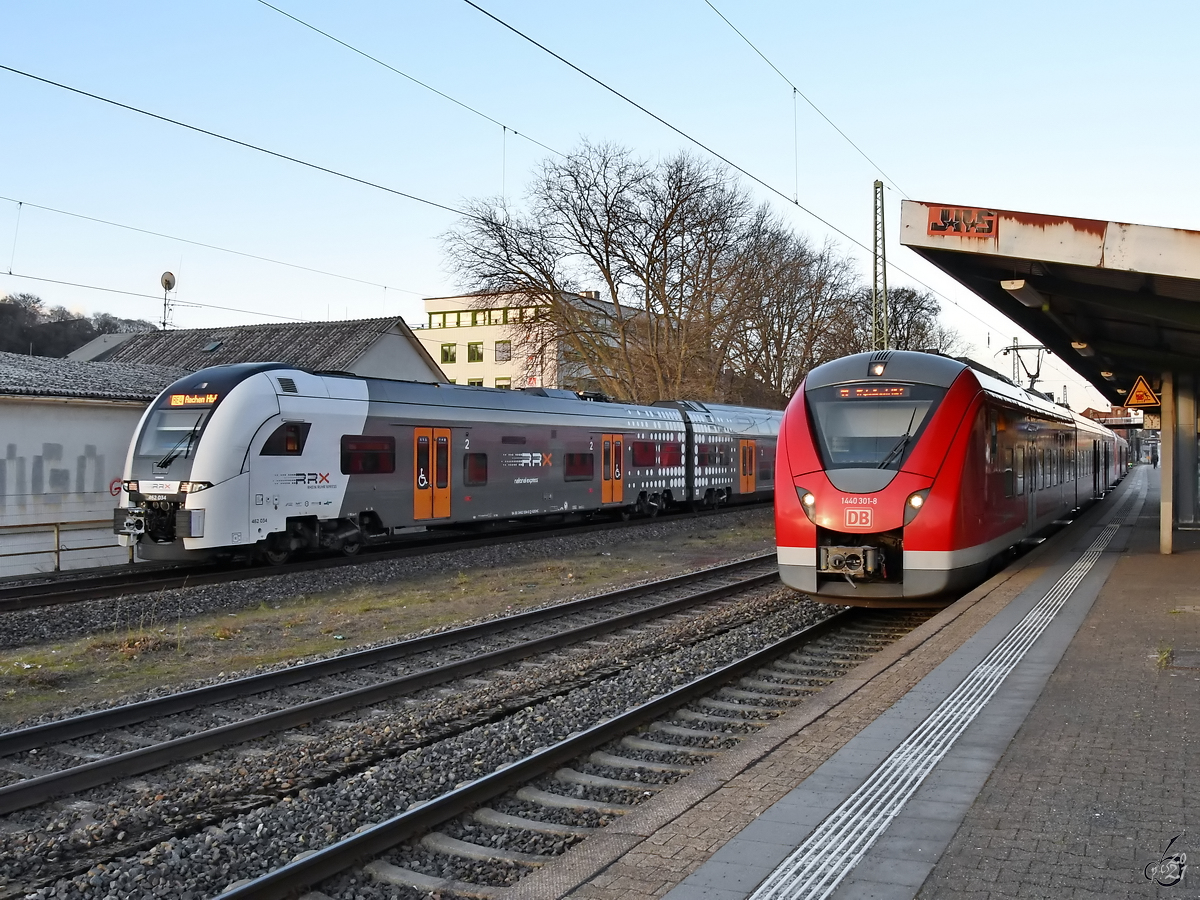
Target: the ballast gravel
(58, 623)
(204, 863)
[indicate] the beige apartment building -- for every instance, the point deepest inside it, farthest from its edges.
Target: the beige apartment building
(480, 345)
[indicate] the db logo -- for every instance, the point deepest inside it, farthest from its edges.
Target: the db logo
(858, 518)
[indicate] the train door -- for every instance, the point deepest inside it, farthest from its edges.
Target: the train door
(747, 468)
(612, 483)
(1096, 491)
(431, 473)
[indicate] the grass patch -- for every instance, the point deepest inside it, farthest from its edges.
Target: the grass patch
(50, 678)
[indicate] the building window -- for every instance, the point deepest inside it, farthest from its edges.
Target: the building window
(504, 383)
(475, 382)
(503, 351)
(479, 317)
(437, 320)
(496, 316)
(449, 353)
(368, 455)
(475, 351)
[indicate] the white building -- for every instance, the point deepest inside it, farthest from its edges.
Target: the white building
(65, 428)
(476, 339)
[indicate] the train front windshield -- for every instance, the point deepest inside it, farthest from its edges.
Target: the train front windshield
(172, 433)
(870, 425)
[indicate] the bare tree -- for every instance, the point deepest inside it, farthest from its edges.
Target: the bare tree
(794, 300)
(662, 242)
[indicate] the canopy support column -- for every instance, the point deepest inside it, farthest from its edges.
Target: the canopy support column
(1166, 504)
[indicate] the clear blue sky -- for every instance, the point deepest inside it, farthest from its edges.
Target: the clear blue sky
(1083, 109)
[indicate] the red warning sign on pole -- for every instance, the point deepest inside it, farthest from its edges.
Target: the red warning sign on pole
(1141, 395)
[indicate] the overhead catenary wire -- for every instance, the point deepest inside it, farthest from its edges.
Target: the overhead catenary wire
(697, 142)
(796, 90)
(415, 81)
(206, 246)
(108, 290)
(240, 143)
(464, 213)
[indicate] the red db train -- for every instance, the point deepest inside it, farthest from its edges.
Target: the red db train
(914, 473)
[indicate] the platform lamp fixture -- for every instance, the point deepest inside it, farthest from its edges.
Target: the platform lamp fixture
(168, 284)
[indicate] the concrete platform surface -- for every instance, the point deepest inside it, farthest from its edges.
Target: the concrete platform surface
(1032, 740)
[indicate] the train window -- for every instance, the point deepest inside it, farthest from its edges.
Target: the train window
(579, 466)
(766, 464)
(1010, 486)
(1019, 468)
(449, 353)
(442, 458)
(287, 440)
(362, 455)
(865, 430)
(475, 351)
(644, 454)
(707, 455)
(670, 454)
(475, 469)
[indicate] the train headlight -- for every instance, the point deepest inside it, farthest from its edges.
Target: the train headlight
(190, 487)
(131, 487)
(914, 504)
(808, 503)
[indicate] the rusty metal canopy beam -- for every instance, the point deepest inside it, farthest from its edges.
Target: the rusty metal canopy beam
(1130, 293)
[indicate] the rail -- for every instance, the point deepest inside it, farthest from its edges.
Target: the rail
(58, 529)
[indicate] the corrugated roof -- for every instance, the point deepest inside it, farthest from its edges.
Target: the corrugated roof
(45, 376)
(308, 345)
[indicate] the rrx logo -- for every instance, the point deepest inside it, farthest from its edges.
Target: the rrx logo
(307, 478)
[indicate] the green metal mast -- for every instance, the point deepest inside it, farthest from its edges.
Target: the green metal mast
(879, 297)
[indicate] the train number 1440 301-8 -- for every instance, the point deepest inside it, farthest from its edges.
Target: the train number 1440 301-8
(860, 501)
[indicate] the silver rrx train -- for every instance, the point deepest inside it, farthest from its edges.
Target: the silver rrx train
(266, 459)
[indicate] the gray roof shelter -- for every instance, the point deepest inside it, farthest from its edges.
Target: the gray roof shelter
(378, 348)
(1113, 300)
(44, 376)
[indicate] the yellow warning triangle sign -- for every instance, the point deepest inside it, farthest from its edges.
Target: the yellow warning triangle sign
(1141, 395)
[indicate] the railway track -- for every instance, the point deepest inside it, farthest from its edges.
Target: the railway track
(64, 757)
(475, 839)
(29, 593)
(537, 743)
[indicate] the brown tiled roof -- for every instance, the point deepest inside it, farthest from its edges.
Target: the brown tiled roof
(307, 345)
(45, 376)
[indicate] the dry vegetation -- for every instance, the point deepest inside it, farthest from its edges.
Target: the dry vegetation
(38, 680)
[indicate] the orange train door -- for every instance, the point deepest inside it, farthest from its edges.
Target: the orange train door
(612, 478)
(431, 473)
(747, 470)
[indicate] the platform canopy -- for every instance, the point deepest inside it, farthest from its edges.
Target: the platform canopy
(1112, 300)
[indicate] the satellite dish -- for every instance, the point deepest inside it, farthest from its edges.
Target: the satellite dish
(168, 281)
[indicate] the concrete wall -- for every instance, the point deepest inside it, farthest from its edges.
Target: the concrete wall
(60, 462)
(393, 356)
